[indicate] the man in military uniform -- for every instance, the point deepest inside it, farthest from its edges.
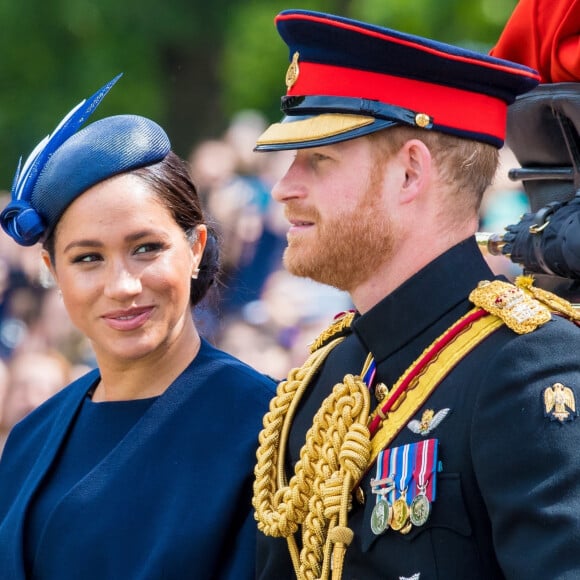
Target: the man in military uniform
(433, 433)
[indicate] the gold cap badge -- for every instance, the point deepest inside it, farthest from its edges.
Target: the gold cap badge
(293, 71)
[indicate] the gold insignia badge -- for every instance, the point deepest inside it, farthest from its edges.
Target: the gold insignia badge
(428, 422)
(293, 71)
(559, 403)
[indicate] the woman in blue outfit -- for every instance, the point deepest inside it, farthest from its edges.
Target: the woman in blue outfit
(141, 469)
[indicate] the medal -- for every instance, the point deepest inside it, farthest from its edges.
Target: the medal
(402, 479)
(404, 496)
(381, 486)
(381, 517)
(423, 474)
(400, 514)
(420, 510)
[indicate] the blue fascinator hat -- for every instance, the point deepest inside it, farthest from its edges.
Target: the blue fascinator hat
(68, 162)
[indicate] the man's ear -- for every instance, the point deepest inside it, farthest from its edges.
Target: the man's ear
(418, 164)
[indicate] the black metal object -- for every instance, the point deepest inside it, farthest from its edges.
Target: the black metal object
(543, 131)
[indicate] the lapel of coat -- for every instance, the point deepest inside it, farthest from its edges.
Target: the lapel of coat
(60, 426)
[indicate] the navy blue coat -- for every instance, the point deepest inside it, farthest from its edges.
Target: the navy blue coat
(508, 494)
(171, 501)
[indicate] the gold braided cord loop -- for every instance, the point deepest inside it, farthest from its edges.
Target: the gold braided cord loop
(341, 442)
(281, 508)
(551, 300)
(335, 455)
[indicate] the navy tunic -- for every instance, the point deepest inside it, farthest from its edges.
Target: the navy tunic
(165, 493)
(508, 493)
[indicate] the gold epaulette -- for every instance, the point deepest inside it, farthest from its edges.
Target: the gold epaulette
(519, 309)
(339, 327)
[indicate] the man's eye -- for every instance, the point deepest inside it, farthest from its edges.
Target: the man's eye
(318, 158)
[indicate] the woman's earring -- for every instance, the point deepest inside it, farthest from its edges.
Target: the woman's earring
(195, 274)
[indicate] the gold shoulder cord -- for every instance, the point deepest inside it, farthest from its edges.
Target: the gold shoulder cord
(338, 449)
(334, 457)
(551, 300)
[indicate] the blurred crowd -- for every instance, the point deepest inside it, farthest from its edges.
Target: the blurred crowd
(258, 311)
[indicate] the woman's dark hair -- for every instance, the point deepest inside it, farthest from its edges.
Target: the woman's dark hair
(172, 182)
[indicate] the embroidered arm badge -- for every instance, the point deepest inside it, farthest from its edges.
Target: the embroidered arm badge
(559, 403)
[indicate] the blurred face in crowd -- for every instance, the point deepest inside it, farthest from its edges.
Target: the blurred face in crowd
(341, 229)
(124, 267)
(33, 378)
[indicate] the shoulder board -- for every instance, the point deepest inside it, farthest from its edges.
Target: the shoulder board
(339, 327)
(517, 309)
(554, 302)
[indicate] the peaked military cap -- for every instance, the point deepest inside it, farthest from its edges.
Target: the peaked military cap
(348, 78)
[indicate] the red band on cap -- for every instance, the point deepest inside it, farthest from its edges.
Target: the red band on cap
(449, 107)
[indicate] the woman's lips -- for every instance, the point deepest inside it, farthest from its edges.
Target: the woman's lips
(126, 320)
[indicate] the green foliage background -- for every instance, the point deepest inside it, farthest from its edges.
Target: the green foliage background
(188, 64)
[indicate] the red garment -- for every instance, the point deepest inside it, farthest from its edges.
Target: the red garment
(544, 35)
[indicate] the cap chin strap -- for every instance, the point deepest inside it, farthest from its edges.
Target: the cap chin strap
(317, 105)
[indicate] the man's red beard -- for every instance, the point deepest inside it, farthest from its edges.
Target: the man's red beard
(343, 251)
